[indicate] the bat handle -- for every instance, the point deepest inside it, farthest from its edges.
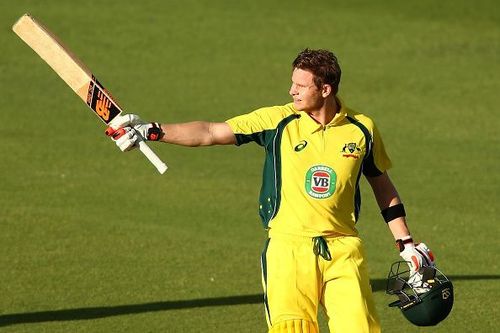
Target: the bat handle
(143, 147)
(152, 157)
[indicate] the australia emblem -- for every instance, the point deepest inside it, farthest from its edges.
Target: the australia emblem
(351, 149)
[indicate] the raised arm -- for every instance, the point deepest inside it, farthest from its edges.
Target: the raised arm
(198, 133)
(129, 129)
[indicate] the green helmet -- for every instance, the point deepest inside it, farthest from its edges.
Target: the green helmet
(426, 300)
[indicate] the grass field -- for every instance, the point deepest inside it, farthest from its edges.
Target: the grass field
(93, 240)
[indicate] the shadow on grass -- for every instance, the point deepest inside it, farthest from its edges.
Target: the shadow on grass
(119, 310)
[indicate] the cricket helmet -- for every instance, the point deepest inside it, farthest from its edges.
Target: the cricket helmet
(427, 299)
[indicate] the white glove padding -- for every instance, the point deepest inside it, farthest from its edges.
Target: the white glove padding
(417, 257)
(125, 120)
(128, 140)
(127, 130)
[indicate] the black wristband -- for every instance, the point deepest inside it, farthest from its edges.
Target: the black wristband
(393, 212)
(400, 244)
(154, 132)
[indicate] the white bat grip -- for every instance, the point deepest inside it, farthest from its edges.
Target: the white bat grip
(152, 157)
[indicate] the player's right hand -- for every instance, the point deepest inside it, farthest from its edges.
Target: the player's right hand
(122, 121)
(148, 130)
(126, 138)
(128, 130)
(122, 132)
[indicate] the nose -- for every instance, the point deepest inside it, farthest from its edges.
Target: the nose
(293, 90)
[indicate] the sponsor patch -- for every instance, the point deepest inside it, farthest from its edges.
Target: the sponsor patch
(320, 182)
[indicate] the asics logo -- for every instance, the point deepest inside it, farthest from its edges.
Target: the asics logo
(302, 144)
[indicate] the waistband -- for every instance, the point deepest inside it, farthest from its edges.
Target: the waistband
(319, 243)
(281, 235)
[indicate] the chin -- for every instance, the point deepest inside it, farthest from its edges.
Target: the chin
(298, 106)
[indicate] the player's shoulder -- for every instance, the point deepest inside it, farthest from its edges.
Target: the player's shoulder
(265, 118)
(273, 115)
(277, 111)
(361, 118)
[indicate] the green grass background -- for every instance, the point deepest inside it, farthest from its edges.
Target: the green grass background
(93, 240)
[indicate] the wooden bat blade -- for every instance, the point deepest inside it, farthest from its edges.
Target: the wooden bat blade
(55, 54)
(74, 72)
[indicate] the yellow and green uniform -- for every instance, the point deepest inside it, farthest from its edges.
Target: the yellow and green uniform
(310, 185)
(311, 173)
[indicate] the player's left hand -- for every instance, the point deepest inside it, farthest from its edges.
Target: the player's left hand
(417, 256)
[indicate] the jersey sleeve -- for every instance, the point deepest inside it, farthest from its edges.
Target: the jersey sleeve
(379, 161)
(256, 125)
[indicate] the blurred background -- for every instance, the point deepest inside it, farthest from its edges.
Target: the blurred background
(95, 240)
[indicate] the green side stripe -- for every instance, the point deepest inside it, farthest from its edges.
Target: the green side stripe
(270, 196)
(368, 167)
(263, 261)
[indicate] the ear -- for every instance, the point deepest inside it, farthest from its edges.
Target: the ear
(326, 90)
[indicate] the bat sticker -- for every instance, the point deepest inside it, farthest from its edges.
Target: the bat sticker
(100, 102)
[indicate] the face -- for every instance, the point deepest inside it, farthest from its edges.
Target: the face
(306, 96)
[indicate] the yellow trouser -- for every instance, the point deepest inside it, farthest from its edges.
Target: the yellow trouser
(296, 281)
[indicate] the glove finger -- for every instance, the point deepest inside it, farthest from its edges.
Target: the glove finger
(428, 257)
(124, 132)
(127, 141)
(415, 263)
(115, 135)
(126, 145)
(125, 120)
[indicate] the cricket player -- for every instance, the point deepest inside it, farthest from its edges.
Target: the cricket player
(316, 149)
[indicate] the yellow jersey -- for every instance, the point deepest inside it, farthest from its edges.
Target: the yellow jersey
(311, 172)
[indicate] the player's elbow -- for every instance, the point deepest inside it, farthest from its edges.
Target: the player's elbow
(219, 134)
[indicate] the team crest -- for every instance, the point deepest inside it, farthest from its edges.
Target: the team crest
(320, 182)
(351, 149)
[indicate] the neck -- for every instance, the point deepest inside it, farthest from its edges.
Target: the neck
(326, 112)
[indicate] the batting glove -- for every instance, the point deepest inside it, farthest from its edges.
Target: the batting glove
(129, 129)
(417, 256)
(126, 138)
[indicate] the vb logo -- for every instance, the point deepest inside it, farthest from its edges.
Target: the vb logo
(320, 181)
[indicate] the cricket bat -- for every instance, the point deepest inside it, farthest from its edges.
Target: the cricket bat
(74, 72)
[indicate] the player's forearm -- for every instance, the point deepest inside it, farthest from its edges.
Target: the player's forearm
(388, 200)
(384, 190)
(197, 133)
(190, 134)
(398, 228)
